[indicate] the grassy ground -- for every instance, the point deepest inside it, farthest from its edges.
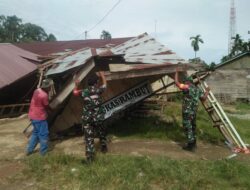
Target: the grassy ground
(60, 171)
(127, 172)
(168, 126)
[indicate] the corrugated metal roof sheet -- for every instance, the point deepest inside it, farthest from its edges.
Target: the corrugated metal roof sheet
(73, 60)
(145, 49)
(142, 49)
(45, 48)
(15, 63)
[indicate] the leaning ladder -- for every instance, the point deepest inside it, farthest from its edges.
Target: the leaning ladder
(222, 122)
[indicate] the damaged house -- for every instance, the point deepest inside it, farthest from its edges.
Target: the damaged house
(131, 65)
(131, 68)
(20, 64)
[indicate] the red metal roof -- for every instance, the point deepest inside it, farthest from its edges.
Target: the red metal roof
(45, 48)
(15, 63)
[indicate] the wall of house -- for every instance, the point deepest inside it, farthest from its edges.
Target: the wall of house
(231, 81)
(72, 111)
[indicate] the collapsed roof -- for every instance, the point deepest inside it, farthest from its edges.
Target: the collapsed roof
(126, 65)
(141, 49)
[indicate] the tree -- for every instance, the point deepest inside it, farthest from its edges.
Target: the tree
(32, 32)
(225, 58)
(246, 46)
(51, 38)
(195, 43)
(238, 45)
(105, 35)
(13, 30)
(2, 31)
(212, 66)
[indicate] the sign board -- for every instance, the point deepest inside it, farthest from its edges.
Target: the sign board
(126, 99)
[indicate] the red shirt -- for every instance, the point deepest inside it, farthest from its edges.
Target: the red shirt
(39, 102)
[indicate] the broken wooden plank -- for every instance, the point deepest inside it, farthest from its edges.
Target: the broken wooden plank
(61, 96)
(121, 67)
(142, 70)
(140, 73)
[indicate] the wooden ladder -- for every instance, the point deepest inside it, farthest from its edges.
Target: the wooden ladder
(13, 110)
(222, 122)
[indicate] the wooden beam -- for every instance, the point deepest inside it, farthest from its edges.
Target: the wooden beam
(123, 71)
(118, 67)
(61, 96)
(142, 72)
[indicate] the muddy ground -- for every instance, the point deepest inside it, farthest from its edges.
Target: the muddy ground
(13, 143)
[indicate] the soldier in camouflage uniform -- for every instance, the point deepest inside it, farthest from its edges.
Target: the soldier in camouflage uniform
(93, 115)
(191, 96)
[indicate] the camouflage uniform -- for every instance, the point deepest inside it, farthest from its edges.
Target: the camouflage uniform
(189, 109)
(93, 117)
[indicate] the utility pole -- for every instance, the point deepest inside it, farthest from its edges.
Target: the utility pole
(86, 33)
(232, 26)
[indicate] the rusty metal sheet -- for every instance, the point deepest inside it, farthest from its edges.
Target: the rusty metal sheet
(142, 49)
(45, 48)
(145, 49)
(15, 63)
(73, 60)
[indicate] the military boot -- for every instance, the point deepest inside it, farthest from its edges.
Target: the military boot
(104, 149)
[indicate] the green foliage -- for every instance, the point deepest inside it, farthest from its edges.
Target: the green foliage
(51, 38)
(205, 130)
(128, 172)
(242, 126)
(168, 127)
(195, 43)
(147, 128)
(239, 47)
(211, 67)
(10, 28)
(242, 106)
(105, 35)
(32, 32)
(13, 30)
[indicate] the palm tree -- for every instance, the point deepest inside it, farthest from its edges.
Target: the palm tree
(237, 45)
(105, 35)
(195, 43)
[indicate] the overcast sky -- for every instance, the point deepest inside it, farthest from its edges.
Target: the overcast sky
(172, 22)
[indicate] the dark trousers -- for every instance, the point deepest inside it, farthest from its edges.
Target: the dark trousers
(89, 134)
(189, 124)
